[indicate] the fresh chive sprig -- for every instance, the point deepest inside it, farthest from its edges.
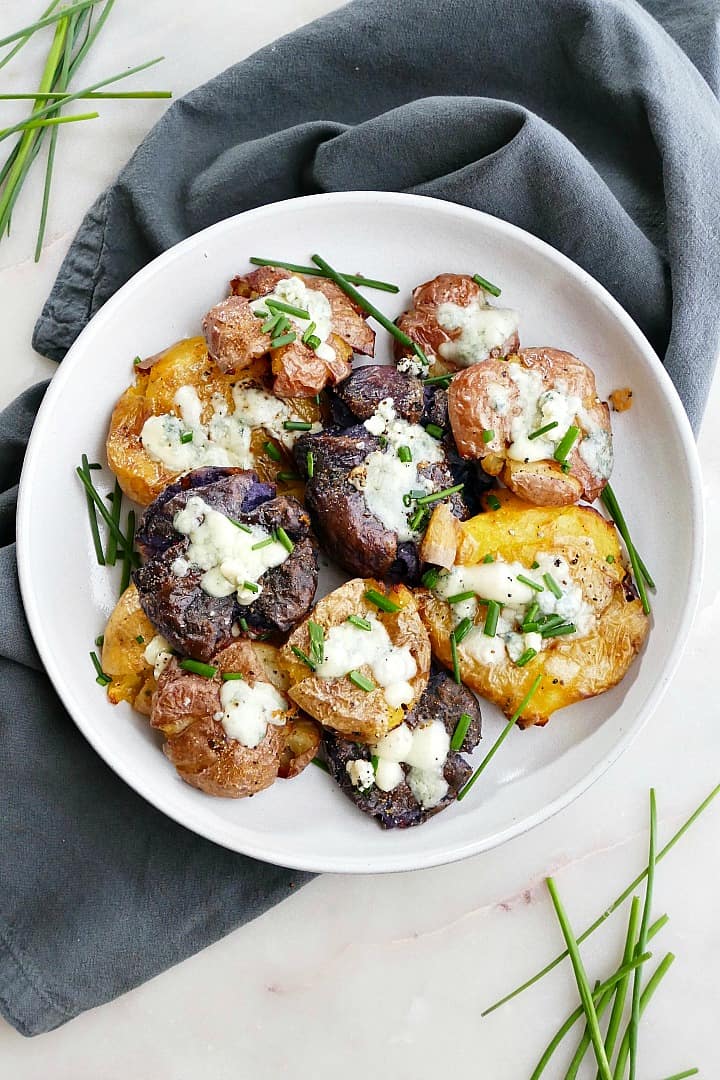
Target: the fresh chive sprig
(312, 271)
(196, 667)
(640, 571)
(486, 285)
(461, 730)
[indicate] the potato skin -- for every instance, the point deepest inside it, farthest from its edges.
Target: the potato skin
(573, 669)
(123, 656)
(187, 363)
(471, 414)
(337, 703)
(185, 707)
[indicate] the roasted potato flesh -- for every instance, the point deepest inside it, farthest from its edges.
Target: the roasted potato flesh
(187, 363)
(572, 667)
(127, 635)
(338, 703)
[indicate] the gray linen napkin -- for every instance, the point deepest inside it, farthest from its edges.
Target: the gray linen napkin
(584, 121)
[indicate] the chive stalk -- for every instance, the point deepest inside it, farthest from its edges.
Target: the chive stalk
(361, 681)
(616, 903)
(500, 739)
(357, 620)
(640, 572)
(491, 619)
(317, 642)
(552, 585)
(566, 444)
(370, 309)
(284, 339)
(284, 539)
(208, 671)
(530, 583)
(542, 430)
(272, 451)
(128, 551)
(642, 940)
(310, 464)
(297, 425)
(404, 453)
(232, 676)
(621, 988)
(461, 730)
(457, 675)
(486, 285)
(461, 597)
(312, 271)
(304, 657)
(287, 309)
(92, 515)
(380, 601)
(644, 1000)
(435, 431)
(111, 550)
(436, 496)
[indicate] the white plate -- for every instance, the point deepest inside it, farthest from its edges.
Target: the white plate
(307, 823)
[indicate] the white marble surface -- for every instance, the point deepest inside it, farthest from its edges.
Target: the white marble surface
(383, 976)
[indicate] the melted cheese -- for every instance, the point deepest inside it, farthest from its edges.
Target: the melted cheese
(158, 654)
(482, 328)
(225, 439)
(247, 710)
(224, 552)
(361, 773)
(348, 648)
(425, 750)
(295, 292)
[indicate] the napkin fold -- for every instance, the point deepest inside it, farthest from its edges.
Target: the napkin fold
(592, 123)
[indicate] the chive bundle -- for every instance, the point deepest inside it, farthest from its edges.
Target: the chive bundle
(120, 543)
(73, 37)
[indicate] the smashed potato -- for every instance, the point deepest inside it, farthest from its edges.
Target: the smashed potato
(189, 710)
(512, 415)
(127, 635)
(356, 711)
(187, 364)
(573, 666)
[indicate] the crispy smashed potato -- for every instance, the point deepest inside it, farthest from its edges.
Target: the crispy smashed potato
(127, 635)
(621, 399)
(572, 667)
(187, 364)
(484, 401)
(186, 706)
(338, 703)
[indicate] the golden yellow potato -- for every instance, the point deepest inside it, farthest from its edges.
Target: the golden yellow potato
(187, 363)
(127, 635)
(337, 702)
(573, 668)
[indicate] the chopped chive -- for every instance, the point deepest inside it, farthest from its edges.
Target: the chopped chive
(103, 680)
(289, 309)
(566, 444)
(430, 577)
(240, 525)
(313, 342)
(197, 668)
(284, 539)
(586, 996)
(461, 597)
(493, 502)
(632, 1034)
(532, 612)
(100, 640)
(288, 477)
(462, 629)
(251, 586)
(491, 619)
(308, 333)
(370, 309)
(281, 325)
(111, 550)
(404, 453)
(92, 515)
(530, 583)
(526, 657)
(542, 430)
(310, 464)
(530, 627)
(380, 601)
(500, 739)
(565, 466)
(488, 558)
(558, 630)
(127, 554)
(455, 658)
(486, 285)
(425, 500)
(261, 314)
(610, 558)
(186, 437)
(357, 620)
(552, 585)
(435, 430)
(243, 624)
(297, 425)
(284, 339)
(616, 903)
(137, 360)
(270, 325)
(302, 656)
(443, 381)
(263, 544)
(535, 565)
(361, 681)
(232, 676)
(272, 451)
(320, 764)
(140, 639)
(416, 521)
(317, 641)
(488, 435)
(312, 271)
(383, 441)
(98, 667)
(461, 730)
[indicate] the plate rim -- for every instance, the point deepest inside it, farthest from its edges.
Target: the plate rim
(395, 862)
